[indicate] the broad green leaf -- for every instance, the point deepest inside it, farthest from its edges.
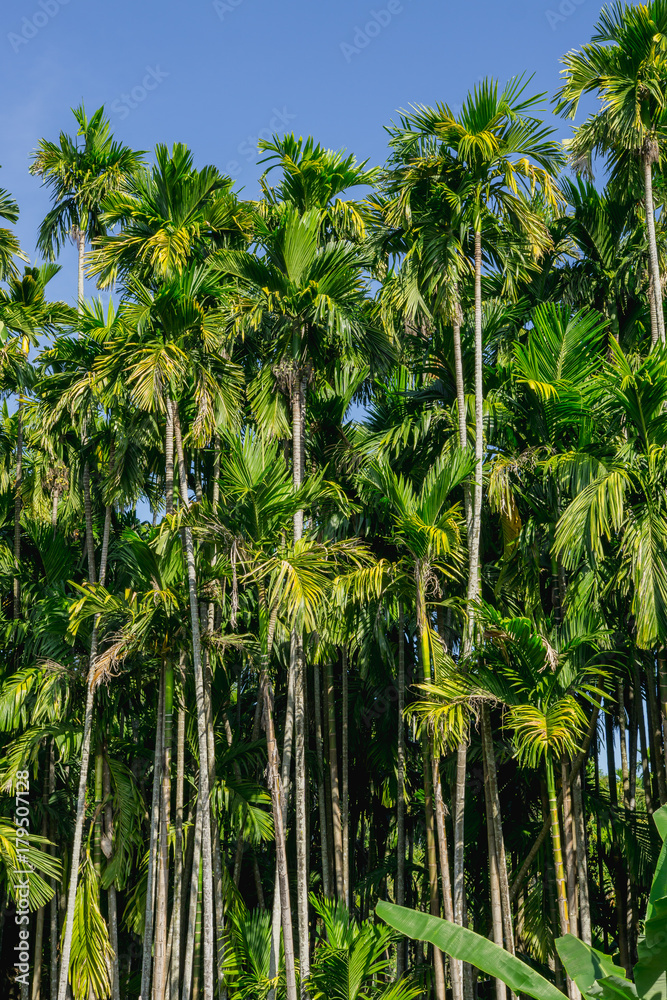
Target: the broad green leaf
(466, 945)
(584, 964)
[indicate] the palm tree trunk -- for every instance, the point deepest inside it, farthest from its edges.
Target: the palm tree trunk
(169, 458)
(659, 332)
(53, 930)
(285, 788)
(400, 788)
(582, 861)
(83, 773)
(159, 984)
(207, 861)
(193, 903)
(570, 851)
(655, 730)
(345, 783)
(559, 871)
(448, 906)
(279, 832)
(499, 839)
(321, 793)
(494, 881)
(178, 840)
(335, 791)
(297, 666)
(17, 507)
(81, 248)
(39, 920)
(111, 895)
(643, 748)
(147, 953)
(431, 855)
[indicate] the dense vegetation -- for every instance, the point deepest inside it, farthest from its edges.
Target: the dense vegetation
(333, 551)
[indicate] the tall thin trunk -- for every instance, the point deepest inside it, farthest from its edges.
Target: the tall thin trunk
(279, 833)
(345, 780)
(17, 507)
(285, 788)
(81, 248)
(335, 790)
(88, 513)
(431, 855)
(643, 748)
(494, 880)
(159, 982)
(499, 839)
(149, 913)
(53, 929)
(616, 862)
(169, 458)
(39, 920)
(400, 786)
(582, 861)
(321, 793)
(298, 667)
(207, 861)
(655, 730)
(193, 902)
(175, 974)
(648, 158)
(63, 987)
(570, 851)
(448, 905)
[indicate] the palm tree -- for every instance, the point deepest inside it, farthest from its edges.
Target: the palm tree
(9, 244)
(80, 176)
(429, 529)
(625, 65)
(305, 303)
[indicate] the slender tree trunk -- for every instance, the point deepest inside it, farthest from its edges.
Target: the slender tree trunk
(279, 832)
(207, 861)
(431, 855)
(63, 986)
(499, 839)
(178, 838)
(335, 791)
(39, 920)
(169, 459)
(582, 861)
(321, 793)
(53, 906)
(448, 906)
(193, 902)
(81, 248)
(345, 785)
(17, 507)
(643, 749)
(285, 786)
(400, 788)
(160, 977)
(298, 667)
(494, 880)
(147, 953)
(648, 159)
(655, 729)
(111, 895)
(570, 851)
(616, 863)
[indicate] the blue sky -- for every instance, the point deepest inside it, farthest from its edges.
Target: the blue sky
(216, 74)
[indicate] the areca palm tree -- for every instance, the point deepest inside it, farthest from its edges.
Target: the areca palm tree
(80, 175)
(306, 305)
(429, 528)
(9, 244)
(625, 65)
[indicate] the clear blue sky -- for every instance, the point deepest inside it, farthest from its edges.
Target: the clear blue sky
(215, 75)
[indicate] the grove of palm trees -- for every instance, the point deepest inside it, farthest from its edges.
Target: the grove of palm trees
(333, 553)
